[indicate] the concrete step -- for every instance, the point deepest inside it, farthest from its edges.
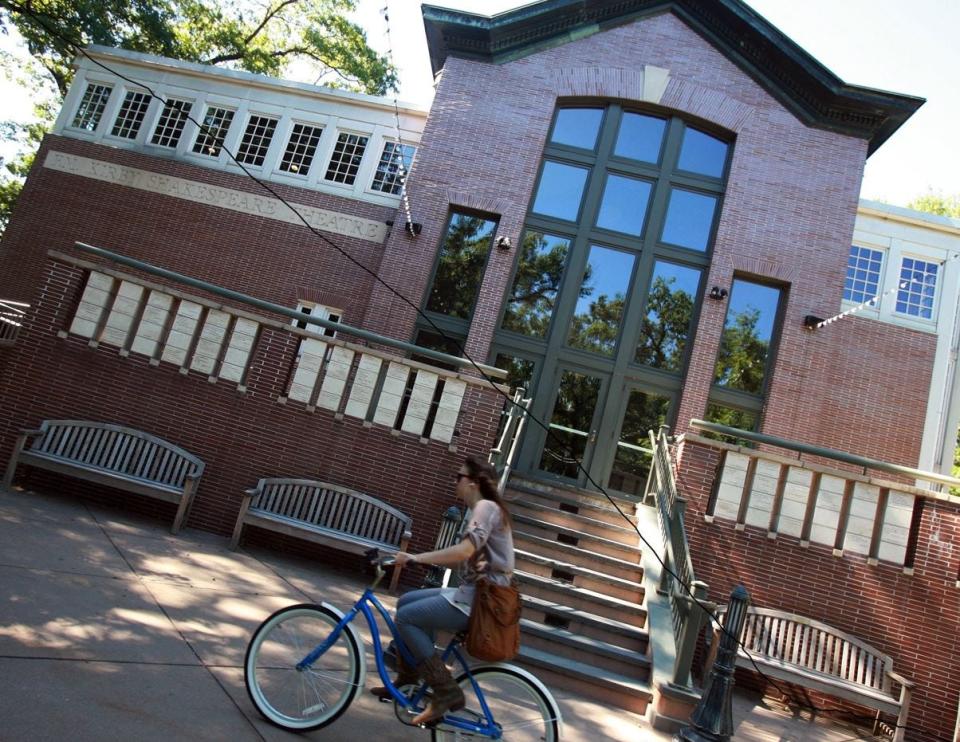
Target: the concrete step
(575, 555)
(623, 532)
(573, 537)
(592, 505)
(578, 576)
(609, 630)
(610, 688)
(585, 649)
(578, 598)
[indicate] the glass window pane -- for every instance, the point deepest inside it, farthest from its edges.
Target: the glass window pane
(624, 204)
(863, 274)
(689, 219)
(918, 285)
(449, 344)
(560, 191)
(519, 371)
(460, 268)
(732, 418)
(640, 137)
(570, 424)
(702, 153)
(577, 127)
(600, 304)
(665, 327)
(745, 343)
(644, 412)
(539, 270)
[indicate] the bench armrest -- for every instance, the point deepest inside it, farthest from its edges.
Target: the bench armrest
(30, 432)
(897, 678)
(251, 492)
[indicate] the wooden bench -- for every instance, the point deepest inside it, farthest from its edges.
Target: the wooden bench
(326, 514)
(799, 650)
(112, 455)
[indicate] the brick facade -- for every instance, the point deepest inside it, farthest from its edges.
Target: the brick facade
(911, 617)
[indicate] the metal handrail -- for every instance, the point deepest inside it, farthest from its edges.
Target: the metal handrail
(829, 453)
(677, 580)
(505, 452)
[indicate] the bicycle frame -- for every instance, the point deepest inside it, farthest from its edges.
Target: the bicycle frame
(486, 726)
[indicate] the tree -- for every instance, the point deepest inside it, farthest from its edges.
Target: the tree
(937, 203)
(741, 362)
(263, 36)
(663, 330)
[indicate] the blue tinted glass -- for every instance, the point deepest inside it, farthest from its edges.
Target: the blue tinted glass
(624, 204)
(670, 304)
(689, 219)
(603, 294)
(539, 270)
(747, 332)
(577, 127)
(702, 153)
(640, 137)
(560, 191)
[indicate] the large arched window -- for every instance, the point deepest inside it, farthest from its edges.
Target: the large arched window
(608, 278)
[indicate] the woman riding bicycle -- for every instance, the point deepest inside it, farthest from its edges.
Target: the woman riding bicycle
(486, 549)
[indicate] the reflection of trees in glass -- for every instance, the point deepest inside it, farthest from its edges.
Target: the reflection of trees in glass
(519, 370)
(663, 331)
(741, 363)
(596, 329)
(644, 412)
(535, 286)
(573, 409)
(732, 418)
(460, 270)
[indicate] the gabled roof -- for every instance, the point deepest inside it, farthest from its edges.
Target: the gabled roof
(798, 81)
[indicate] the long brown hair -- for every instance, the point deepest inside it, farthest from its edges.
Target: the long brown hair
(487, 478)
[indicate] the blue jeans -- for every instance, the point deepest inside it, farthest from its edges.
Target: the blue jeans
(420, 613)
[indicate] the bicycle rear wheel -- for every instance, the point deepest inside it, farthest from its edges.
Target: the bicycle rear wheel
(523, 711)
(301, 700)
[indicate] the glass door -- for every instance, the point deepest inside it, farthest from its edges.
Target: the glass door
(572, 428)
(640, 410)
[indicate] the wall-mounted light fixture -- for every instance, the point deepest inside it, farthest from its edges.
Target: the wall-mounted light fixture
(414, 228)
(718, 293)
(504, 243)
(811, 322)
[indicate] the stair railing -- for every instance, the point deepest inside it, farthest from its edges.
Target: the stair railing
(677, 579)
(515, 414)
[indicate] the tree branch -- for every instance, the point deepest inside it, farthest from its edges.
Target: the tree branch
(271, 13)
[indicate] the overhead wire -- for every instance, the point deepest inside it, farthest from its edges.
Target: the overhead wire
(80, 49)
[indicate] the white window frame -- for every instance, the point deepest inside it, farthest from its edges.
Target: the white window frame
(895, 295)
(320, 311)
(74, 111)
(147, 115)
(884, 262)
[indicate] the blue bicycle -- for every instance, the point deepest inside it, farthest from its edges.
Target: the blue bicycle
(305, 664)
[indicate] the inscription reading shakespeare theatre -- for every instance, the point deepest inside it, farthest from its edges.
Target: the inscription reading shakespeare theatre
(226, 198)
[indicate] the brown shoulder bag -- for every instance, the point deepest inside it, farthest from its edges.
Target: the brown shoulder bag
(493, 632)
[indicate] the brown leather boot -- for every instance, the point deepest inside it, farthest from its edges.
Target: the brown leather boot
(406, 675)
(447, 695)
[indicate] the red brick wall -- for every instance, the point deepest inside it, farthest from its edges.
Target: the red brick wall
(269, 259)
(913, 618)
(240, 436)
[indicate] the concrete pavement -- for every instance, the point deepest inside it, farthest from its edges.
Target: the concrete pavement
(111, 628)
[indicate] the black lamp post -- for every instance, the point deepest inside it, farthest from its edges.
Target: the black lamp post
(712, 719)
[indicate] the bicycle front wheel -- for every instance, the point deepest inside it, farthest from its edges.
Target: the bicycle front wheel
(308, 698)
(519, 708)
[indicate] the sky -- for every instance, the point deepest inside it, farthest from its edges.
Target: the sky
(904, 47)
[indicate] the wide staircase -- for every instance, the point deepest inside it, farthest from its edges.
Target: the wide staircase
(584, 618)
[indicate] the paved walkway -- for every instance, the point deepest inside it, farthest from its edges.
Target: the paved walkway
(113, 629)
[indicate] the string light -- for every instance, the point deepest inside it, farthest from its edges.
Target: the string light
(864, 304)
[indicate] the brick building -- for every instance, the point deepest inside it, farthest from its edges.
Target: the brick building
(630, 207)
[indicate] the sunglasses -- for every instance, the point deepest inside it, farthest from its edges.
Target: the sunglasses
(459, 476)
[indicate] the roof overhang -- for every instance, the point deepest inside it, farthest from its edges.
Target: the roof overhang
(798, 81)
